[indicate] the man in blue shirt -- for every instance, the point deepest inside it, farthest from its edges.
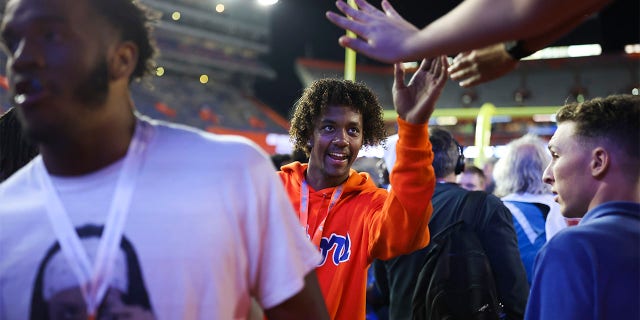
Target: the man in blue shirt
(592, 271)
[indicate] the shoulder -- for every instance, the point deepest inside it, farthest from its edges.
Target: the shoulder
(185, 140)
(569, 244)
(21, 182)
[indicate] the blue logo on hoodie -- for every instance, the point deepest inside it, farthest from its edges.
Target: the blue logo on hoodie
(342, 250)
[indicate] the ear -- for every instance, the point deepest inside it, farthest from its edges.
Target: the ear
(600, 162)
(123, 61)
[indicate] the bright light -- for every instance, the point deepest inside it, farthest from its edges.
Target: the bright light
(543, 117)
(219, 8)
(204, 79)
(267, 2)
(446, 121)
(583, 50)
(472, 152)
(175, 16)
(632, 48)
(159, 71)
(634, 91)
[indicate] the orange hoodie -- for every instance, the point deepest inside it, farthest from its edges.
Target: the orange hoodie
(367, 222)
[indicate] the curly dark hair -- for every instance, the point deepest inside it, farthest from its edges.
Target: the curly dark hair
(336, 92)
(135, 22)
(616, 118)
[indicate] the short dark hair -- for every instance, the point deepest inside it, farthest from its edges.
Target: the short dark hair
(336, 92)
(615, 118)
(135, 22)
(445, 151)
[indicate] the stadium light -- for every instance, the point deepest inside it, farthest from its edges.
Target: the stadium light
(267, 2)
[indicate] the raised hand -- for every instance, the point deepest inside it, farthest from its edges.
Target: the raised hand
(481, 65)
(414, 102)
(383, 34)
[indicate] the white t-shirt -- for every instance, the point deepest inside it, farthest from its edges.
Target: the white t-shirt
(209, 227)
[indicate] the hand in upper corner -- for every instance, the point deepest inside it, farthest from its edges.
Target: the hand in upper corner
(414, 102)
(383, 34)
(481, 65)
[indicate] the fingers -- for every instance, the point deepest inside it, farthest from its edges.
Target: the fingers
(441, 72)
(349, 10)
(398, 73)
(470, 82)
(368, 8)
(461, 56)
(389, 10)
(459, 63)
(359, 45)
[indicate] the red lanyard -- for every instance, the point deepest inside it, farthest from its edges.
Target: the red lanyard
(304, 210)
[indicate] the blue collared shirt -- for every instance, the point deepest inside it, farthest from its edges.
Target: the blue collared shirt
(590, 271)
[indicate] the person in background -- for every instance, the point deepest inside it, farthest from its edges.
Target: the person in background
(15, 149)
(349, 219)
(487, 168)
(280, 159)
(396, 278)
(209, 219)
(518, 181)
(472, 178)
(592, 270)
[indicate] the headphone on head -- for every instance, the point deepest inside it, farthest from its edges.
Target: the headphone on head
(460, 162)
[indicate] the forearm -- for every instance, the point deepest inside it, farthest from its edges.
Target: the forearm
(536, 43)
(470, 25)
(402, 225)
(306, 304)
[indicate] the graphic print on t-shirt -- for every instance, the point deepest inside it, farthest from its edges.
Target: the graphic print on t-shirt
(56, 294)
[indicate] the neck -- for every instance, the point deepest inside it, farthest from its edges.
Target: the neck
(620, 190)
(318, 181)
(90, 148)
(450, 178)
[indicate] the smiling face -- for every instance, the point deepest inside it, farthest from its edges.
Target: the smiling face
(57, 63)
(568, 173)
(335, 142)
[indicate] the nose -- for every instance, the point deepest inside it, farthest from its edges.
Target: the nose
(547, 175)
(340, 139)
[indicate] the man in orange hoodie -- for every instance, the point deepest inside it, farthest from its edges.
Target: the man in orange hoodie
(349, 219)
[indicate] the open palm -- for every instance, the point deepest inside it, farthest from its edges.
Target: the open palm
(414, 102)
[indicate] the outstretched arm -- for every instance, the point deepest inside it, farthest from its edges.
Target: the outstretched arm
(386, 36)
(402, 225)
(485, 64)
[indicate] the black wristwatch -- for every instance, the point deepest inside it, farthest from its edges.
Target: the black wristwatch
(515, 50)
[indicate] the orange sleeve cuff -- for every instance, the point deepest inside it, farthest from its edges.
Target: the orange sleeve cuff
(413, 135)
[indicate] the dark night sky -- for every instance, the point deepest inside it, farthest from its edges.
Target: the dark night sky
(299, 29)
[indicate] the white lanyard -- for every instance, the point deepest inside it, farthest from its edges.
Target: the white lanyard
(304, 210)
(94, 282)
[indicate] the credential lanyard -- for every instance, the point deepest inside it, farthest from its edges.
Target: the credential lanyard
(304, 210)
(94, 281)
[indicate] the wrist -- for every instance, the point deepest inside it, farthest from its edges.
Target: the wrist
(516, 50)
